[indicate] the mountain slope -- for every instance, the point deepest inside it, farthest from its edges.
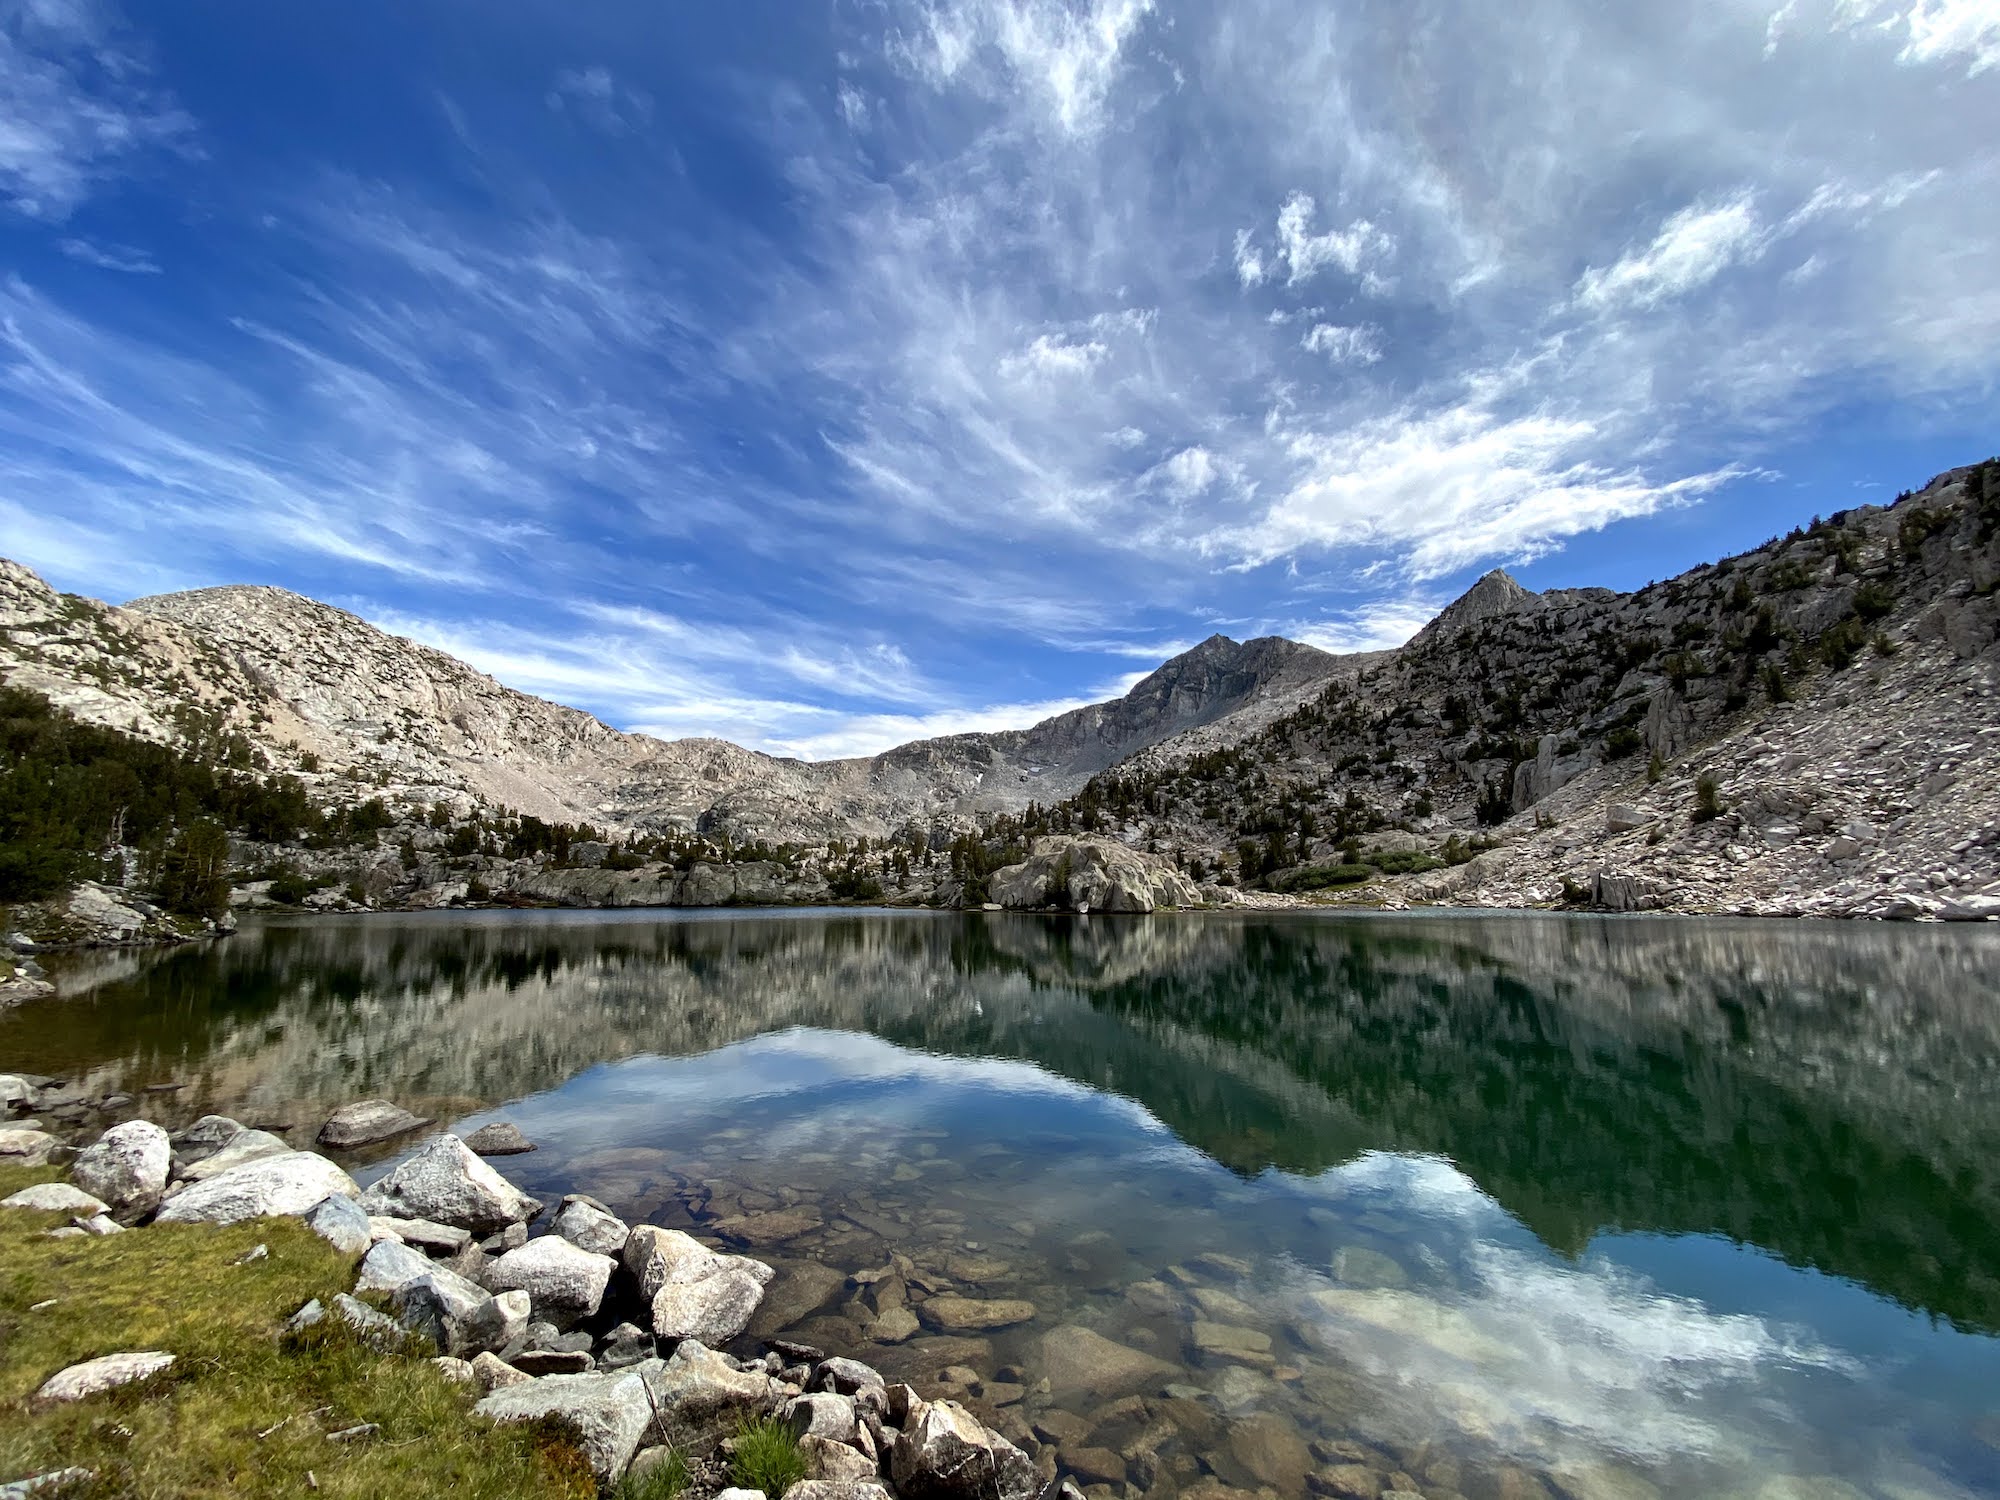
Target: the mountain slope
(315, 689)
(1813, 726)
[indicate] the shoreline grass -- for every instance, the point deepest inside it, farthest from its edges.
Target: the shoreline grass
(245, 1410)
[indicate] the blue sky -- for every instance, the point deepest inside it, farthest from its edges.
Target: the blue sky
(822, 376)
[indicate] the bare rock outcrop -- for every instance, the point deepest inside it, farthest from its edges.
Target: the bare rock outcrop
(1085, 875)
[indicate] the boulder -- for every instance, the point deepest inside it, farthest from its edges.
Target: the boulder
(832, 1489)
(1083, 874)
(945, 1453)
(847, 1376)
(565, 1282)
(609, 1412)
(824, 1414)
(389, 1264)
(657, 1256)
(55, 1198)
(422, 1234)
(954, 1314)
(1081, 1363)
(445, 1182)
(291, 1185)
(97, 1375)
(714, 1309)
(202, 1140)
(368, 1121)
(494, 1373)
(589, 1227)
(243, 1147)
(701, 1395)
(1624, 818)
(458, 1317)
(498, 1139)
(126, 1168)
(22, 1146)
(828, 1460)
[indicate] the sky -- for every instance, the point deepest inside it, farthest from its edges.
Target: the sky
(823, 376)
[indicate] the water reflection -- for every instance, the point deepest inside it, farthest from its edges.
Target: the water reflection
(1508, 1205)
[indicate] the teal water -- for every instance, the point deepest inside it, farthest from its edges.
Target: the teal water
(1606, 1207)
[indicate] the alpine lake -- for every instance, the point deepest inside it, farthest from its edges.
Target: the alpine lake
(1495, 1206)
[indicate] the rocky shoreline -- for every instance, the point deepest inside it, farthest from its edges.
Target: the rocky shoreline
(656, 1345)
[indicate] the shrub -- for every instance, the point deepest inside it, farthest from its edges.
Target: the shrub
(1873, 600)
(661, 1481)
(767, 1457)
(1707, 800)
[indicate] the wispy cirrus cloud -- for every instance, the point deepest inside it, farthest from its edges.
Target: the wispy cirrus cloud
(77, 106)
(950, 353)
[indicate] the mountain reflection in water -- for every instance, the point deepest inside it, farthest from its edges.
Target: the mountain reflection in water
(1823, 1092)
(1524, 1205)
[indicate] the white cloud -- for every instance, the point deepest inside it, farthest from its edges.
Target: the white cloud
(1301, 254)
(1444, 489)
(110, 257)
(1052, 355)
(1187, 474)
(1378, 626)
(1930, 31)
(1344, 345)
(1693, 247)
(600, 99)
(77, 109)
(1066, 56)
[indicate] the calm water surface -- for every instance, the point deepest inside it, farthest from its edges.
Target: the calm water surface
(1612, 1207)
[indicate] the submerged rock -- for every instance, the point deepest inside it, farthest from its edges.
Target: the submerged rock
(498, 1139)
(368, 1121)
(1080, 1362)
(446, 1183)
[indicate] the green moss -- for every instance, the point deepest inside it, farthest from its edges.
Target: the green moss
(206, 1427)
(767, 1457)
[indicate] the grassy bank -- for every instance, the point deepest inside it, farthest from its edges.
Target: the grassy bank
(244, 1410)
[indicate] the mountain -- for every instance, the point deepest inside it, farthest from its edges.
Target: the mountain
(321, 692)
(1810, 727)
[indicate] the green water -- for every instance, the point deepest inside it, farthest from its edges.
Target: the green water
(1609, 1207)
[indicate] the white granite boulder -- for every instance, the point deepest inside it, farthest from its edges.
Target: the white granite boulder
(610, 1413)
(126, 1168)
(292, 1185)
(448, 1184)
(107, 1373)
(566, 1283)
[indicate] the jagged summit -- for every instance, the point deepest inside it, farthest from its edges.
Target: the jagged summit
(1494, 595)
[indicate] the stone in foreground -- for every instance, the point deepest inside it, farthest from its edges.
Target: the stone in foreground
(126, 1168)
(107, 1373)
(55, 1198)
(589, 1227)
(566, 1283)
(610, 1412)
(368, 1121)
(701, 1395)
(21, 1146)
(341, 1223)
(289, 1186)
(945, 1453)
(446, 1183)
(714, 1309)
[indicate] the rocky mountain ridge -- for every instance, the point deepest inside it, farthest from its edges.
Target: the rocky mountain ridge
(1811, 728)
(1807, 728)
(317, 691)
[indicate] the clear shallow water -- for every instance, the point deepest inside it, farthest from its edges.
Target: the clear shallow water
(1484, 1200)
